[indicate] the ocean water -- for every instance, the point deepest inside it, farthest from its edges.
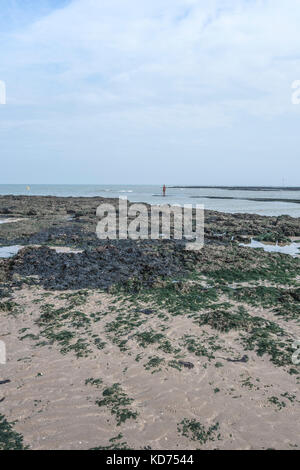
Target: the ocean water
(153, 195)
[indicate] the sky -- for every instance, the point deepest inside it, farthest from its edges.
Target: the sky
(150, 92)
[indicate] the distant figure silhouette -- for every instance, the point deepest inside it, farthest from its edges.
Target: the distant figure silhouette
(164, 190)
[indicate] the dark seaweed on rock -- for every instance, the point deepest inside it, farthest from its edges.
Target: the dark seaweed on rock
(72, 235)
(100, 268)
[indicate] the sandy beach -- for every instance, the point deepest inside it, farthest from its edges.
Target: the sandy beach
(142, 344)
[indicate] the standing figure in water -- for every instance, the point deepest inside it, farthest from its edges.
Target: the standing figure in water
(164, 190)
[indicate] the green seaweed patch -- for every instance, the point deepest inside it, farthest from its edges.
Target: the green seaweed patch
(196, 431)
(259, 335)
(224, 320)
(63, 326)
(265, 339)
(177, 297)
(154, 364)
(147, 338)
(279, 404)
(99, 343)
(194, 345)
(175, 364)
(12, 308)
(280, 269)
(10, 439)
(167, 347)
(272, 237)
(122, 326)
(116, 444)
(75, 299)
(7, 306)
(95, 382)
(118, 402)
(284, 302)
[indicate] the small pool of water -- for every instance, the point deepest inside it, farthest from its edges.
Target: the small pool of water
(292, 249)
(10, 251)
(9, 221)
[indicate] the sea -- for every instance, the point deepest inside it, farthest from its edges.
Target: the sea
(268, 201)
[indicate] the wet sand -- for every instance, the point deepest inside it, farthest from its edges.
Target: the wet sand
(54, 409)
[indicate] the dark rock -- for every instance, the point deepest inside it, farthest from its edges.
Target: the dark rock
(242, 238)
(188, 365)
(129, 264)
(245, 358)
(147, 311)
(3, 382)
(5, 211)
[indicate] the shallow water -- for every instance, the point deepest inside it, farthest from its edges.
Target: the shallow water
(4, 221)
(9, 221)
(10, 251)
(292, 249)
(152, 194)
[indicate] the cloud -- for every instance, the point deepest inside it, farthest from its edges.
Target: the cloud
(137, 68)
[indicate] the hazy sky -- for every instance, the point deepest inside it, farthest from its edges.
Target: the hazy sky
(150, 91)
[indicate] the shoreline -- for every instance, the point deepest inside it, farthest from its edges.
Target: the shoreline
(114, 200)
(244, 188)
(292, 201)
(272, 203)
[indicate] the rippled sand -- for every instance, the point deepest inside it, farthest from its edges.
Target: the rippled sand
(55, 409)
